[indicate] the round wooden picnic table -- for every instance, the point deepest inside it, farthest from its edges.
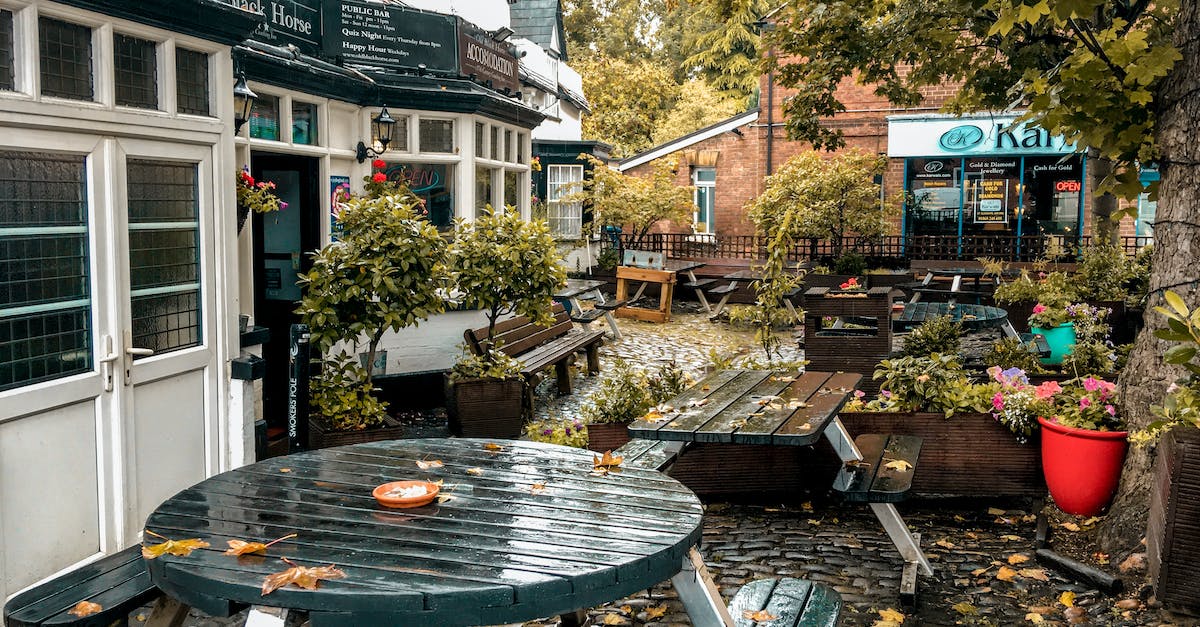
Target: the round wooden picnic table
(520, 532)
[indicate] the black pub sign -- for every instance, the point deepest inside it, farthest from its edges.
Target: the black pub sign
(389, 37)
(296, 22)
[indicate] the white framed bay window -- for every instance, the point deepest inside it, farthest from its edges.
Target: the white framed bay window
(564, 216)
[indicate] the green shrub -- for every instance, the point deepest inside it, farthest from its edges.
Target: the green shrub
(850, 263)
(622, 396)
(936, 383)
(561, 432)
(668, 382)
(341, 395)
(1102, 273)
(940, 335)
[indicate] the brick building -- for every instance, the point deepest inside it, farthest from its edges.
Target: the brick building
(977, 177)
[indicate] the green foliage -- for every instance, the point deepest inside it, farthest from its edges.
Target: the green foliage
(1103, 273)
(726, 46)
(637, 203)
(1055, 289)
(1089, 71)
(505, 265)
(1181, 405)
(941, 335)
(626, 392)
(607, 259)
(628, 98)
(936, 383)
(341, 396)
(1011, 352)
(824, 199)
(1090, 357)
(850, 263)
(493, 364)
(667, 382)
(561, 432)
(387, 272)
(699, 105)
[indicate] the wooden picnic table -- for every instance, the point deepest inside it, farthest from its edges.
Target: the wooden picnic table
(525, 531)
(784, 409)
(655, 268)
(971, 317)
(575, 288)
(734, 278)
(956, 276)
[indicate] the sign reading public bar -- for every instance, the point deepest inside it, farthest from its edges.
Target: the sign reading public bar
(487, 59)
(389, 37)
(296, 22)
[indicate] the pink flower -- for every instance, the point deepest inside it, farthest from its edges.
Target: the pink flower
(859, 393)
(1039, 308)
(1112, 411)
(885, 393)
(1047, 390)
(998, 402)
(994, 372)
(1085, 402)
(1091, 384)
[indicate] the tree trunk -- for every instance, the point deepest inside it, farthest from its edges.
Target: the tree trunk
(1176, 257)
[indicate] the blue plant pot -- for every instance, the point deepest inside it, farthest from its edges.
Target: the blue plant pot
(1061, 340)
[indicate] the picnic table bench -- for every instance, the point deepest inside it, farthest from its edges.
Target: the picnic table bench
(575, 288)
(928, 285)
(538, 347)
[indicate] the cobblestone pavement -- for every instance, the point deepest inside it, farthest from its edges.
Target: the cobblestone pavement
(972, 546)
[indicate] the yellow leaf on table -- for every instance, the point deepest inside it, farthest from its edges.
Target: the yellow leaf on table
(608, 461)
(655, 612)
(652, 416)
(492, 446)
(241, 547)
(85, 608)
(808, 427)
(1067, 598)
(761, 616)
(966, 609)
(475, 471)
(612, 619)
(443, 498)
(1035, 618)
(307, 577)
(182, 548)
(1017, 558)
(1070, 526)
(705, 388)
(891, 615)
(899, 464)
(1005, 574)
(1034, 573)
(994, 511)
(426, 465)
(285, 470)
(537, 488)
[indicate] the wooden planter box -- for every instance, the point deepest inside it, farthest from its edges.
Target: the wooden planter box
(486, 408)
(889, 279)
(1173, 528)
(965, 455)
(848, 350)
(607, 436)
(321, 436)
(831, 281)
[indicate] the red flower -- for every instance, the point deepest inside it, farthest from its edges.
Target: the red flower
(379, 177)
(379, 164)
(247, 179)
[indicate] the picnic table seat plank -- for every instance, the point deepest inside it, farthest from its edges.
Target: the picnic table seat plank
(873, 481)
(793, 603)
(687, 419)
(118, 582)
(698, 284)
(756, 413)
(612, 304)
(724, 289)
(658, 456)
(587, 316)
(808, 423)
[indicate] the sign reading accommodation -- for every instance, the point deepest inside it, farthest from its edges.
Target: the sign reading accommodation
(490, 61)
(389, 37)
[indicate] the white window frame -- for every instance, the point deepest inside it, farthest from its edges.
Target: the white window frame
(711, 186)
(565, 218)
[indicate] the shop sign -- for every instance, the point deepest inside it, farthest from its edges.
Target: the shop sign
(934, 137)
(486, 58)
(389, 37)
(296, 22)
(992, 196)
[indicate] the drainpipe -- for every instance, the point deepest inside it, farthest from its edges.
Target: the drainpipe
(770, 116)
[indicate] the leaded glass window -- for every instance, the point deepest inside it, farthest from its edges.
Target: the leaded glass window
(66, 59)
(437, 135)
(191, 81)
(135, 64)
(7, 50)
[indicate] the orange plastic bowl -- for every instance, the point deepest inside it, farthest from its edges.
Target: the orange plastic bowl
(380, 494)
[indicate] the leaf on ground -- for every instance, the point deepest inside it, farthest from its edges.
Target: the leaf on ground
(979, 571)
(241, 547)
(816, 522)
(958, 518)
(307, 577)
(1017, 558)
(1128, 604)
(612, 619)
(1005, 574)
(966, 609)
(1010, 538)
(806, 506)
(475, 471)
(655, 612)
(891, 615)
(1035, 618)
(85, 608)
(181, 548)
(1029, 518)
(1070, 526)
(537, 488)
(426, 465)
(761, 616)
(995, 511)
(1067, 598)
(492, 446)
(899, 464)
(944, 543)
(1101, 558)
(1034, 573)
(1090, 521)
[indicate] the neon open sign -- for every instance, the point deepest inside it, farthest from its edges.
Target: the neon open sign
(1067, 186)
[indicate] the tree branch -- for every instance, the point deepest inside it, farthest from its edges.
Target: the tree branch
(1088, 39)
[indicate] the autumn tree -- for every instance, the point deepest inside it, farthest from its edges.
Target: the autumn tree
(698, 105)
(628, 100)
(637, 203)
(810, 197)
(1106, 74)
(723, 35)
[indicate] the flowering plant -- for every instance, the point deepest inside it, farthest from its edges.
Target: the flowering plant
(535, 164)
(1049, 316)
(1017, 403)
(562, 432)
(258, 196)
(852, 284)
(1090, 404)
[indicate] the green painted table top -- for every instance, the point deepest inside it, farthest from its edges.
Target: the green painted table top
(497, 550)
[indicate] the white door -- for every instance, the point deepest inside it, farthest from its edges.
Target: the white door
(106, 246)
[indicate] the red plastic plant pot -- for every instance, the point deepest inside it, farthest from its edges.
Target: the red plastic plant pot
(1082, 467)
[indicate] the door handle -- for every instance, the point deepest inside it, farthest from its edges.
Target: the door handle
(106, 363)
(130, 352)
(141, 352)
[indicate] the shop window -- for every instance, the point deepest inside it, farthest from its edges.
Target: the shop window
(484, 185)
(991, 195)
(512, 189)
(480, 139)
(437, 135)
(164, 255)
(264, 118)
(521, 139)
(495, 143)
(45, 306)
(304, 123)
(66, 59)
(935, 195)
(432, 182)
(135, 64)
(564, 216)
(1147, 208)
(191, 81)
(509, 149)
(7, 76)
(705, 182)
(399, 135)
(1051, 196)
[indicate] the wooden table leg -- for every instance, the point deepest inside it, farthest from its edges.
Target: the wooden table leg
(699, 594)
(167, 612)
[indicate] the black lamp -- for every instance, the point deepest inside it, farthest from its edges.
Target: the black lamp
(381, 127)
(243, 102)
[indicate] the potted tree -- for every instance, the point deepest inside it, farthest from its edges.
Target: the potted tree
(502, 265)
(386, 272)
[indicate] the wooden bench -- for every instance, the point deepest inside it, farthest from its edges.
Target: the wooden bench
(538, 347)
(792, 603)
(117, 583)
(650, 454)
